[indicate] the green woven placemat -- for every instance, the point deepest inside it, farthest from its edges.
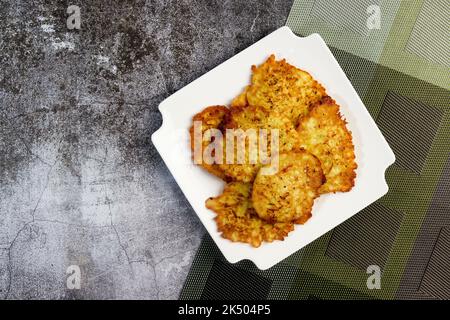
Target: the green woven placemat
(401, 71)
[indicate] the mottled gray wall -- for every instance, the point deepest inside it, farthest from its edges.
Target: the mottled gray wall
(80, 182)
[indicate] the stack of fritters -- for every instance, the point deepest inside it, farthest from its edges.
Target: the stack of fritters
(315, 154)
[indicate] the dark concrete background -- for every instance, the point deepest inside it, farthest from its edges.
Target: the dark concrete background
(80, 182)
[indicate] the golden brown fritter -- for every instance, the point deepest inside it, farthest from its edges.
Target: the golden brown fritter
(237, 220)
(323, 132)
(211, 118)
(256, 118)
(288, 195)
(281, 87)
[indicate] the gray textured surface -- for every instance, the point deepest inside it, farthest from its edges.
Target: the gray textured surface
(80, 182)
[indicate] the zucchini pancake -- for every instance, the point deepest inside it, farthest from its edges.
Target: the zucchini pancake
(281, 87)
(313, 153)
(288, 195)
(323, 132)
(238, 221)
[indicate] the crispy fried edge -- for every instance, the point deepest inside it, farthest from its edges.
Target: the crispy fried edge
(241, 99)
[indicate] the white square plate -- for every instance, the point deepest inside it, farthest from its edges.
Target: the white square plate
(218, 87)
